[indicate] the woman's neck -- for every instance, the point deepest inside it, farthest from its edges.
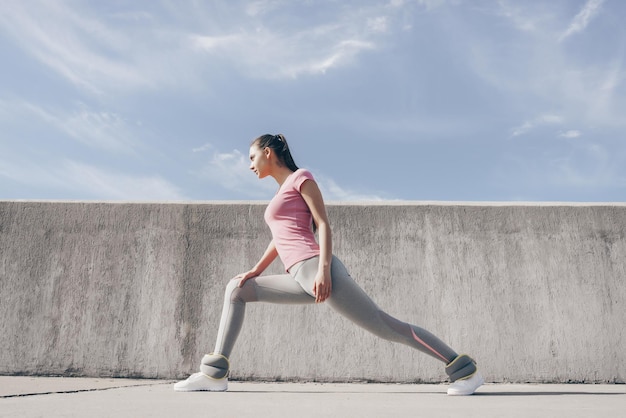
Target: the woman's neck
(280, 174)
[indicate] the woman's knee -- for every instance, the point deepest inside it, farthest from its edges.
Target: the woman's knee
(234, 293)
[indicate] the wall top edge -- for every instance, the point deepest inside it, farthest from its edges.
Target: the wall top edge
(330, 203)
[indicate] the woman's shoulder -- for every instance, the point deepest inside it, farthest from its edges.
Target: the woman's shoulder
(300, 176)
(303, 172)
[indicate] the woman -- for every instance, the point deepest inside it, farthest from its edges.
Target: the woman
(314, 276)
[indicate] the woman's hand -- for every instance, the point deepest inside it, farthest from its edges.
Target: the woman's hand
(322, 286)
(243, 277)
(267, 258)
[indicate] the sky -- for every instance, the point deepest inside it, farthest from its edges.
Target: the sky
(414, 100)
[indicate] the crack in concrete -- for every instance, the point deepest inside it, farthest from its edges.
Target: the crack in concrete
(24, 395)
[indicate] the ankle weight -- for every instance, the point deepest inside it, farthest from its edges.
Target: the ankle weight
(461, 367)
(214, 365)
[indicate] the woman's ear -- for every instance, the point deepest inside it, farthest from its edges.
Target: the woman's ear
(267, 151)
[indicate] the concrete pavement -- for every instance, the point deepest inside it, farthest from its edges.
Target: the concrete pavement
(25, 396)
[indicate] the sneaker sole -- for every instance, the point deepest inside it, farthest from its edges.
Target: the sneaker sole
(200, 390)
(216, 388)
(467, 392)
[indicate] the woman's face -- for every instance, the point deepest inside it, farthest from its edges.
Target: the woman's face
(259, 161)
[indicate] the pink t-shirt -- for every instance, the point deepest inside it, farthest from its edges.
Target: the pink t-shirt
(290, 221)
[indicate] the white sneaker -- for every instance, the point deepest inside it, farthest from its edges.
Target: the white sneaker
(200, 381)
(466, 386)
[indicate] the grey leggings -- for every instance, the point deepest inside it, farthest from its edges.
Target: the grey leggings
(346, 297)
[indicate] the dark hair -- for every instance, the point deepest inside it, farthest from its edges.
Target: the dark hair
(279, 144)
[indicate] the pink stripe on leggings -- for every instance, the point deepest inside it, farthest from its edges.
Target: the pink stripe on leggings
(419, 340)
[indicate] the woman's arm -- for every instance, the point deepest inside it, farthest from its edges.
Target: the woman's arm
(313, 198)
(267, 258)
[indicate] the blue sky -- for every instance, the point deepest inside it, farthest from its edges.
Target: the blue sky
(452, 100)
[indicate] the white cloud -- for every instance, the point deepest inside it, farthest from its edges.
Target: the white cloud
(397, 3)
(582, 168)
(534, 67)
(590, 165)
(522, 18)
(84, 181)
(378, 24)
(203, 148)
(570, 134)
(116, 186)
(135, 16)
(522, 129)
(272, 55)
(334, 192)
(100, 129)
(605, 93)
(128, 49)
(223, 42)
(231, 171)
(549, 118)
(97, 129)
(261, 7)
(261, 49)
(78, 47)
(431, 4)
(104, 54)
(582, 19)
(541, 120)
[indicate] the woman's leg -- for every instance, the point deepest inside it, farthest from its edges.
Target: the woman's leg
(351, 301)
(280, 288)
(214, 367)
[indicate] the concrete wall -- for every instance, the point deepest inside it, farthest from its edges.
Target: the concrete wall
(535, 292)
